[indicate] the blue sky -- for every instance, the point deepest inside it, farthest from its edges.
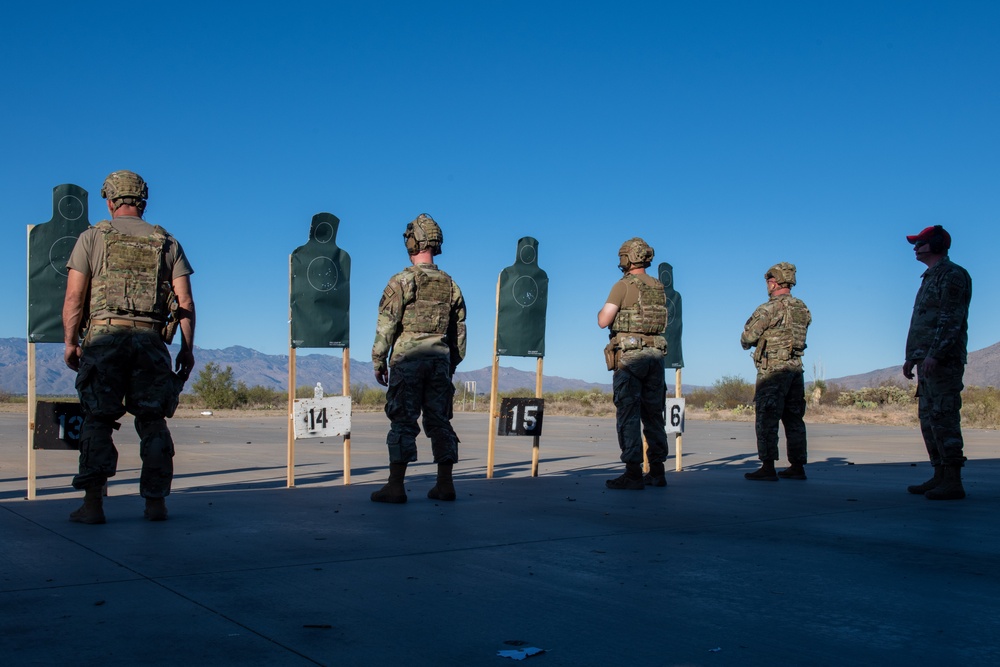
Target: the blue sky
(729, 135)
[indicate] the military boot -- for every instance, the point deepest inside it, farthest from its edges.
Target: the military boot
(394, 491)
(656, 475)
(445, 488)
(156, 509)
(763, 474)
(950, 487)
(794, 471)
(921, 489)
(92, 510)
(630, 481)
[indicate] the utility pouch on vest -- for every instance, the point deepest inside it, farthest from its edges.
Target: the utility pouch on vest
(612, 355)
(760, 354)
(629, 341)
(170, 325)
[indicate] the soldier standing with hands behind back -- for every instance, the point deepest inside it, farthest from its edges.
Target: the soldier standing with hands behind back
(778, 330)
(936, 346)
(636, 314)
(128, 285)
(421, 320)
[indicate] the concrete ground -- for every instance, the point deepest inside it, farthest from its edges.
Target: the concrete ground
(845, 568)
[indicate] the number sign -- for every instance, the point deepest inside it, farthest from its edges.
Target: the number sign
(322, 417)
(675, 415)
(521, 416)
(57, 425)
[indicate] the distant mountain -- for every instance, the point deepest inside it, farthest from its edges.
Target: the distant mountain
(254, 368)
(983, 370)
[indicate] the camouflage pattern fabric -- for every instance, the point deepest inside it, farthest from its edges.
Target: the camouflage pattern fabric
(778, 329)
(415, 387)
(939, 326)
(939, 405)
(639, 394)
(126, 370)
(781, 396)
(130, 281)
(649, 313)
(411, 321)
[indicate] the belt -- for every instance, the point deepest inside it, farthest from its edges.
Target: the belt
(134, 324)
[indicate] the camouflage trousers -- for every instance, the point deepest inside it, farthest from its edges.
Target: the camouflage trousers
(939, 405)
(781, 397)
(640, 394)
(126, 370)
(421, 386)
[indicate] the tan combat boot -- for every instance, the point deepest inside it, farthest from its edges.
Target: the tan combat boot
(445, 488)
(394, 491)
(156, 509)
(921, 489)
(765, 473)
(92, 510)
(950, 487)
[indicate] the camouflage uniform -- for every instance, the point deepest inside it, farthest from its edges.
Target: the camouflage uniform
(422, 321)
(639, 389)
(939, 329)
(778, 330)
(125, 365)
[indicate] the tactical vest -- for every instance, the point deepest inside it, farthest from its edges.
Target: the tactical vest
(431, 309)
(786, 339)
(648, 315)
(130, 281)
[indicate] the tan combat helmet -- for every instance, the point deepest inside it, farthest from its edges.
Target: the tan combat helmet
(634, 253)
(423, 233)
(783, 274)
(125, 187)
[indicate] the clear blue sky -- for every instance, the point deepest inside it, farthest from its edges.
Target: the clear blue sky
(729, 135)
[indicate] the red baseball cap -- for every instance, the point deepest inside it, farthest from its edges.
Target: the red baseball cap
(928, 234)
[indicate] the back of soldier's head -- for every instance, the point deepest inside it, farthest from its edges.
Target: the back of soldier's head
(125, 188)
(783, 274)
(423, 234)
(634, 253)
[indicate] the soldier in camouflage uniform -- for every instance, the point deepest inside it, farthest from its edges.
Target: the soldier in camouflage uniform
(421, 321)
(936, 346)
(778, 330)
(128, 288)
(636, 315)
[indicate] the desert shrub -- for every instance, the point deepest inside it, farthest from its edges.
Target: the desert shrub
(699, 398)
(831, 395)
(261, 398)
(981, 407)
(363, 396)
(871, 397)
(732, 391)
(215, 387)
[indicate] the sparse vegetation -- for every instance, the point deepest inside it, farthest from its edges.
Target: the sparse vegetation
(729, 398)
(870, 398)
(981, 407)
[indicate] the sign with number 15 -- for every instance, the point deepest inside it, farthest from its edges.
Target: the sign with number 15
(521, 416)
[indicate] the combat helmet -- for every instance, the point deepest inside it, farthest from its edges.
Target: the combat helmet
(634, 253)
(423, 233)
(125, 187)
(783, 274)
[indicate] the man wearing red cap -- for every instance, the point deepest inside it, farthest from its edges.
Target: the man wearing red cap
(936, 347)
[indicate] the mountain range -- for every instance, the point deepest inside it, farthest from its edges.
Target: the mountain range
(254, 368)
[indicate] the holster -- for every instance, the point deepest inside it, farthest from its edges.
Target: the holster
(612, 355)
